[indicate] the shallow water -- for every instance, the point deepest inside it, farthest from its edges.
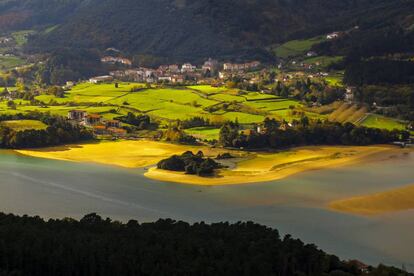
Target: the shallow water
(295, 205)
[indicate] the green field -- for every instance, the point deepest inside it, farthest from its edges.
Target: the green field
(323, 61)
(206, 133)
(21, 36)
(335, 80)
(10, 62)
(165, 104)
(20, 125)
(297, 47)
(378, 121)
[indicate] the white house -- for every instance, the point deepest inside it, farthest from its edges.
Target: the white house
(101, 79)
(188, 68)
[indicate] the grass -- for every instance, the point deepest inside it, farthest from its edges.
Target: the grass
(207, 133)
(297, 47)
(335, 80)
(378, 121)
(20, 125)
(164, 104)
(21, 36)
(323, 61)
(10, 62)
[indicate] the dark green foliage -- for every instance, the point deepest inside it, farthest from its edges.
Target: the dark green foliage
(228, 133)
(195, 122)
(306, 133)
(139, 121)
(379, 71)
(96, 246)
(59, 131)
(69, 64)
(159, 31)
(190, 164)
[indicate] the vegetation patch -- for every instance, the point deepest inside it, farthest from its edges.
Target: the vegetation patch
(20, 125)
(378, 121)
(190, 163)
(297, 47)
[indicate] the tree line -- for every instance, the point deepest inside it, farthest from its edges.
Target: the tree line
(97, 246)
(58, 131)
(280, 135)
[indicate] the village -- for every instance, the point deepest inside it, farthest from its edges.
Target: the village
(175, 73)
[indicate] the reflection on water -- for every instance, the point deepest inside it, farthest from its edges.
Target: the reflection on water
(295, 205)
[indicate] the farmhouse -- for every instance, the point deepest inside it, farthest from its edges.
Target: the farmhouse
(117, 132)
(77, 115)
(92, 119)
(113, 124)
(100, 130)
(101, 79)
(188, 68)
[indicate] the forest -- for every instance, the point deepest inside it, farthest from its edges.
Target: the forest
(97, 246)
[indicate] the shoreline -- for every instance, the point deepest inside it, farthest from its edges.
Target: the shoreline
(251, 174)
(249, 167)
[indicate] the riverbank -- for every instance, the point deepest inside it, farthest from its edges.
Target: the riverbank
(125, 153)
(249, 167)
(394, 200)
(263, 167)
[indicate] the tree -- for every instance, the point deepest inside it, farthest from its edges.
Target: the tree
(228, 133)
(11, 104)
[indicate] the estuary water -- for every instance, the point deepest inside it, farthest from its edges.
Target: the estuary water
(296, 205)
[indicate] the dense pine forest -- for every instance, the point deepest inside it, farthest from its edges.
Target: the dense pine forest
(97, 246)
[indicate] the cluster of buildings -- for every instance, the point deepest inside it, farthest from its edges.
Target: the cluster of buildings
(97, 123)
(116, 60)
(174, 73)
(235, 67)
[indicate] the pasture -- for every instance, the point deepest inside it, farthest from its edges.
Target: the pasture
(10, 62)
(20, 125)
(378, 121)
(167, 104)
(297, 47)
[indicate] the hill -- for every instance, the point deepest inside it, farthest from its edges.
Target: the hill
(190, 30)
(94, 246)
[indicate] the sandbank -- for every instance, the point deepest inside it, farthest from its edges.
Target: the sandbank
(394, 200)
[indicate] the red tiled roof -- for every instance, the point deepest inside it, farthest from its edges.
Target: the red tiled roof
(94, 116)
(99, 127)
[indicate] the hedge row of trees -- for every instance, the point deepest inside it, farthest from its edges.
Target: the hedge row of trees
(139, 121)
(306, 133)
(58, 131)
(96, 246)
